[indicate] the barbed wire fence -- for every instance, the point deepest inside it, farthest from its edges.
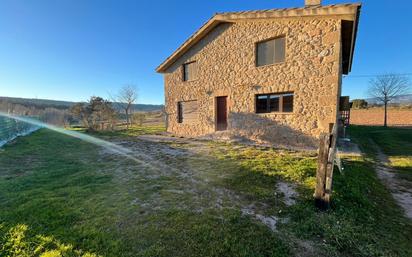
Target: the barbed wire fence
(375, 75)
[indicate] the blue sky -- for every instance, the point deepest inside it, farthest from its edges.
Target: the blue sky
(72, 49)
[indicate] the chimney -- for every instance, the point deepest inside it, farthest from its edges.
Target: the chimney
(311, 3)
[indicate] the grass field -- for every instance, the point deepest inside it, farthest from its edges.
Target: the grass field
(131, 131)
(59, 195)
(396, 143)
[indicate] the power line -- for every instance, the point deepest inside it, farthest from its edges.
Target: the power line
(375, 75)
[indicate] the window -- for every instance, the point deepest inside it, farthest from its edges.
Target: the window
(270, 51)
(287, 103)
(187, 112)
(274, 103)
(189, 71)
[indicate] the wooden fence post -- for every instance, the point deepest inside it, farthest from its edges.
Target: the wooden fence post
(324, 173)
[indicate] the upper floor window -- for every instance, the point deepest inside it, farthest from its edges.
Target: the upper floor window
(274, 103)
(270, 51)
(189, 71)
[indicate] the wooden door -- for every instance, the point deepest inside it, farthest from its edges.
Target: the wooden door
(221, 113)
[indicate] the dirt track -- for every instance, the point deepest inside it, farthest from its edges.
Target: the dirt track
(401, 193)
(375, 117)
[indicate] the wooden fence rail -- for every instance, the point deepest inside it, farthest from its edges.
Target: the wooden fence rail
(324, 173)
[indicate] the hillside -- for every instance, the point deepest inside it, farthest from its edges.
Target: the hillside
(45, 103)
(402, 99)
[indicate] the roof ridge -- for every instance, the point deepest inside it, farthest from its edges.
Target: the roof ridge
(286, 9)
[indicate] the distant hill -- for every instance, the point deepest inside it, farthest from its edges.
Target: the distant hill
(37, 103)
(45, 103)
(403, 99)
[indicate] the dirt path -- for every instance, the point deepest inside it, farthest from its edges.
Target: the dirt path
(400, 189)
(192, 176)
(189, 160)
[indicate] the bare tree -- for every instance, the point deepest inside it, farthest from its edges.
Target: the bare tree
(386, 87)
(127, 96)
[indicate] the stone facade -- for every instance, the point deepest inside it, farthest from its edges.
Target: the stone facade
(225, 59)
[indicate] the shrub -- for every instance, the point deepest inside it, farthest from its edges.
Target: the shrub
(359, 104)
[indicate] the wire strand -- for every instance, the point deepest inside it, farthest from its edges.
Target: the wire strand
(376, 75)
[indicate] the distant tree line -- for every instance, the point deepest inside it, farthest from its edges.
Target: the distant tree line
(95, 114)
(38, 103)
(359, 104)
(50, 115)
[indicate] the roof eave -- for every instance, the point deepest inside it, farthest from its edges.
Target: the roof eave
(206, 28)
(354, 35)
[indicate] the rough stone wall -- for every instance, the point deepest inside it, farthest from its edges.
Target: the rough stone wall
(226, 67)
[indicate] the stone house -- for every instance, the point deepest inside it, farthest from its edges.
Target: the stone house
(271, 76)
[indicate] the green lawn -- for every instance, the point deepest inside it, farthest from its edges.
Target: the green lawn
(67, 197)
(132, 131)
(396, 143)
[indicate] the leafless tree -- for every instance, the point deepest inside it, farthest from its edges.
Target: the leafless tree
(386, 87)
(126, 97)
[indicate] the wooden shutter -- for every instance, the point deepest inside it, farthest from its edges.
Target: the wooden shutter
(189, 71)
(188, 112)
(280, 49)
(265, 52)
(179, 112)
(270, 51)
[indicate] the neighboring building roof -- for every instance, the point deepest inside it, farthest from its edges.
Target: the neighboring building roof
(218, 18)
